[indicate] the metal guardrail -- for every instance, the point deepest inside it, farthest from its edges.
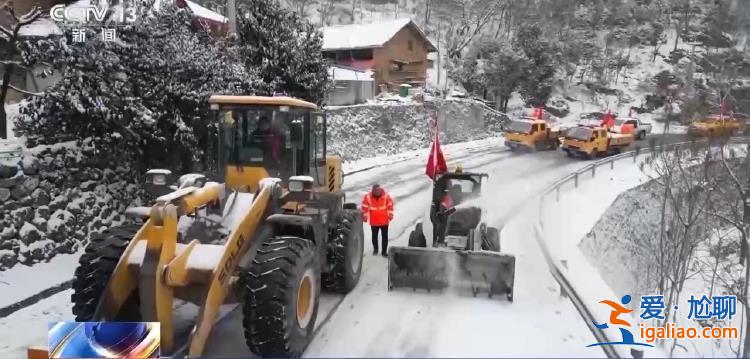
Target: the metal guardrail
(565, 285)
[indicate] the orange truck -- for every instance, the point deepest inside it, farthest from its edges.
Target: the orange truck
(715, 126)
(594, 141)
(531, 134)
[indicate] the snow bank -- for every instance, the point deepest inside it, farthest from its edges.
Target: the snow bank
(563, 229)
(374, 130)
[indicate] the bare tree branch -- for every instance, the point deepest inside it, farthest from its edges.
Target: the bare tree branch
(24, 91)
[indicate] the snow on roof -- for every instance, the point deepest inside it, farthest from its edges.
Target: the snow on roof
(42, 27)
(362, 36)
(346, 74)
(201, 11)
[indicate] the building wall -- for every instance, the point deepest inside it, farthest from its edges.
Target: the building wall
(398, 48)
(345, 93)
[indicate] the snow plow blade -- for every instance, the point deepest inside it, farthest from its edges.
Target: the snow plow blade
(439, 268)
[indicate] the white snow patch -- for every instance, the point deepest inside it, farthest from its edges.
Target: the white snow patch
(360, 36)
(454, 149)
(26, 281)
(339, 73)
(42, 27)
(201, 11)
(237, 206)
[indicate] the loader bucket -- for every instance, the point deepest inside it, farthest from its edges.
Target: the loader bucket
(440, 268)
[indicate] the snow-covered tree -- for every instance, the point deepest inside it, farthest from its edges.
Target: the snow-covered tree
(143, 98)
(14, 54)
(284, 48)
(539, 76)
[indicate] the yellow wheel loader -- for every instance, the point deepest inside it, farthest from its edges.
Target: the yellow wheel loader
(465, 252)
(269, 238)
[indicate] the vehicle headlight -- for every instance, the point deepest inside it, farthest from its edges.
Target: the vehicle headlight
(300, 183)
(160, 180)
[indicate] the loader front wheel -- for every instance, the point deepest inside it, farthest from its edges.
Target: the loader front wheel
(280, 297)
(345, 253)
(95, 268)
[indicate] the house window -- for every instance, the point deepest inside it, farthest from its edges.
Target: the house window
(363, 54)
(411, 45)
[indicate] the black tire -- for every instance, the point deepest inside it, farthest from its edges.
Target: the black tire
(270, 296)
(345, 252)
(491, 240)
(95, 267)
(641, 135)
(570, 154)
(417, 238)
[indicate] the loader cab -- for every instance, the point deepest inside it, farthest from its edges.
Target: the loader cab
(262, 137)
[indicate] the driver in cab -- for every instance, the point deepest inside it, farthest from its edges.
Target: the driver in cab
(270, 140)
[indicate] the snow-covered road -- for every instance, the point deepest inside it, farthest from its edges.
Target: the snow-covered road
(372, 321)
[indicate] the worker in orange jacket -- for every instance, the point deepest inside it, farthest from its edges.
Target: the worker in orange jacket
(377, 210)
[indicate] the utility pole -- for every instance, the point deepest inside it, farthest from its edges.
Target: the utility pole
(232, 15)
(440, 21)
(745, 213)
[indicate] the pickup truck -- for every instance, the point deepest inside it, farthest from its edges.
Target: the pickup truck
(640, 129)
(590, 141)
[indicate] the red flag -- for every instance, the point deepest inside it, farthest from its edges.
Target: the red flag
(538, 112)
(436, 161)
(608, 120)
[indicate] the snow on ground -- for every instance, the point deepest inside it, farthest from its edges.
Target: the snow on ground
(455, 149)
(407, 323)
(371, 321)
(26, 281)
(28, 326)
(564, 229)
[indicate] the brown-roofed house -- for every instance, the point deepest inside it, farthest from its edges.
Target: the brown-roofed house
(395, 51)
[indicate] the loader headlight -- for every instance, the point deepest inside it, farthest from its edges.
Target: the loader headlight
(300, 183)
(160, 180)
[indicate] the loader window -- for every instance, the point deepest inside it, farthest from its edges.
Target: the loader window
(266, 136)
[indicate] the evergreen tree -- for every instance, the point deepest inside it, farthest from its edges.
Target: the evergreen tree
(539, 76)
(283, 48)
(142, 99)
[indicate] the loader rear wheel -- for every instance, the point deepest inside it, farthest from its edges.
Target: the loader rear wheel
(280, 297)
(95, 268)
(491, 240)
(345, 253)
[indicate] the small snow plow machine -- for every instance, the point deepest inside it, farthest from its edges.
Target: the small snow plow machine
(464, 251)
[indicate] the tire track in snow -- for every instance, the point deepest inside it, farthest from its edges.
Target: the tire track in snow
(36, 298)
